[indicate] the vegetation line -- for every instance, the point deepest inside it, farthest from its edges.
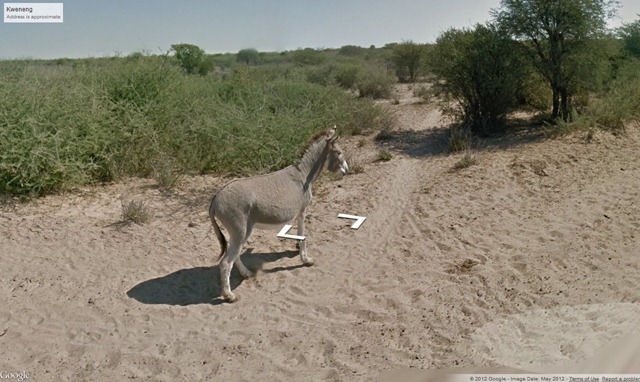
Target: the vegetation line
(65, 123)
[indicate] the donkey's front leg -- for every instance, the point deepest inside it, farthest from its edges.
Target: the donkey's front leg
(306, 260)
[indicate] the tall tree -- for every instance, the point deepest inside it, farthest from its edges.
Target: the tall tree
(630, 34)
(555, 34)
(192, 58)
(406, 57)
(248, 56)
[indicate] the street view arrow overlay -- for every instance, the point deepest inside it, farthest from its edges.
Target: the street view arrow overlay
(285, 229)
(359, 220)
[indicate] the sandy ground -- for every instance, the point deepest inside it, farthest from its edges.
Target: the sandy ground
(528, 259)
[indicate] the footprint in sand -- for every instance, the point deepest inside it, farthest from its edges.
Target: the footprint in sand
(548, 337)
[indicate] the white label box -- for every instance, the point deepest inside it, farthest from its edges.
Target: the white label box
(33, 12)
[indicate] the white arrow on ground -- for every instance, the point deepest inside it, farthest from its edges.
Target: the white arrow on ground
(358, 223)
(285, 229)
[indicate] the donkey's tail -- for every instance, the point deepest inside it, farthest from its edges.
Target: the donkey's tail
(216, 229)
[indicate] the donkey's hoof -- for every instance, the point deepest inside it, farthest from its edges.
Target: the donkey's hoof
(308, 263)
(231, 298)
(249, 275)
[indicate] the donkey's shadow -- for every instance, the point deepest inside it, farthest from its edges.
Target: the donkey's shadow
(201, 285)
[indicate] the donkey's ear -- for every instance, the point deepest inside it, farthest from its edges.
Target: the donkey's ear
(332, 131)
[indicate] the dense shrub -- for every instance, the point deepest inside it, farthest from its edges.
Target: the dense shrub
(248, 56)
(192, 58)
(321, 74)
(346, 75)
(481, 71)
(307, 56)
(374, 83)
(630, 34)
(535, 94)
(407, 57)
(53, 131)
(62, 126)
(350, 50)
(613, 108)
(223, 60)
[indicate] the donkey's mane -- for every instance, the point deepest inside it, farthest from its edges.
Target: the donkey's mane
(315, 138)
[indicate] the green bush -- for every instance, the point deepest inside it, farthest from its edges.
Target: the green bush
(223, 60)
(350, 50)
(384, 155)
(321, 75)
(53, 130)
(346, 75)
(307, 56)
(623, 94)
(192, 58)
(480, 70)
(248, 56)
(535, 94)
(63, 126)
(407, 57)
(374, 83)
(613, 108)
(206, 66)
(630, 35)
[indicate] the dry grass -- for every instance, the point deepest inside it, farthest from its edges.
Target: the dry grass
(136, 211)
(384, 155)
(463, 267)
(458, 139)
(468, 159)
(355, 167)
(167, 174)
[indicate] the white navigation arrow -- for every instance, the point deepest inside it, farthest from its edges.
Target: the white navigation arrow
(358, 223)
(285, 229)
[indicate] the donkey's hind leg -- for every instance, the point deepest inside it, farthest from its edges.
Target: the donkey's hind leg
(226, 264)
(237, 238)
(244, 271)
(231, 256)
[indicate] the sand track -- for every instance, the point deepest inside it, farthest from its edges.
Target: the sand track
(528, 259)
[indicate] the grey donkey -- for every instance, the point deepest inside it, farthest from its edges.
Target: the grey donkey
(269, 202)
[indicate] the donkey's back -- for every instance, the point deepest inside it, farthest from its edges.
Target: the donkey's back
(270, 200)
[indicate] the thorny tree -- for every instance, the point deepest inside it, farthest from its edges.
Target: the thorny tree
(556, 34)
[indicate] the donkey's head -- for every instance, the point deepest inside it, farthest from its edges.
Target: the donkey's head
(335, 159)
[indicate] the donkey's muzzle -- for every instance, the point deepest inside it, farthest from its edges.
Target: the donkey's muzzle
(344, 168)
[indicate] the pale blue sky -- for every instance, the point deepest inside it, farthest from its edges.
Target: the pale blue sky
(96, 28)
